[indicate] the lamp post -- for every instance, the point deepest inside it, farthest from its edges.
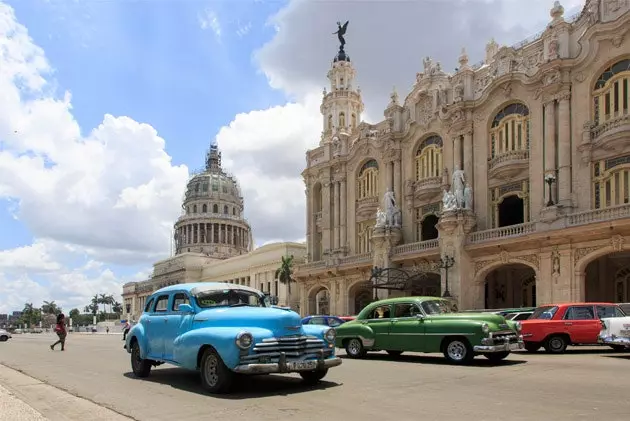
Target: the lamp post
(446, 262)
(550, 179)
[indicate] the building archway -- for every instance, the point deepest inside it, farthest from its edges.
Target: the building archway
(359, 295)
(428, 227)
(511, 211)
(510, 285)
(318, 301)
(607, 278)
(428, 285)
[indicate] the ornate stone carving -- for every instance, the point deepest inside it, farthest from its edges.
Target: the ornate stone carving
(424, 111)
(555, 262)
(617, 40)
(480, 264)
(581, 252)
(505, 257)
(532, 259)
(580, 77)
(617, 242)
(551, 77)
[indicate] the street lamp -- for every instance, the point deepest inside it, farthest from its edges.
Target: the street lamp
(550, 179)
(446, 262)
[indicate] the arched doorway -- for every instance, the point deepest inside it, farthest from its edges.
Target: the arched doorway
(428, 228)
(510, 286)
(359, 295)
(607, 279)
(511, 211)
(319, 301)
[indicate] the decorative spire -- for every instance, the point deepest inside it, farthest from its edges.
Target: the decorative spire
(557, 13)
(463, 58)
(213, 159)
(394, 97)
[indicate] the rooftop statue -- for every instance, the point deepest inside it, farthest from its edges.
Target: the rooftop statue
(341, 31)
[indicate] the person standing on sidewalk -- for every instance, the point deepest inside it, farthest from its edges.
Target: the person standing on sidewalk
(60, 330)
(126, 328)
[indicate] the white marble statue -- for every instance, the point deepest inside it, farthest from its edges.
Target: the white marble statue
(449, 202)
(388, 214)
(457, 187)
(381, 218)
(468, 197)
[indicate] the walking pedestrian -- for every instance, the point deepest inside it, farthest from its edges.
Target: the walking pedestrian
(60, 330)
(126, 328)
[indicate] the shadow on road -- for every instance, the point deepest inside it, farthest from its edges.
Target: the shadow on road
(621, 357)
(574, 351)
(437, 360)
(245, 387)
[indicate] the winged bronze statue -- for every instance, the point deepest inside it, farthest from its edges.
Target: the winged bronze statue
(341, 31)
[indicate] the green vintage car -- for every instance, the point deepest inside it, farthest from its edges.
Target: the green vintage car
(428, 324)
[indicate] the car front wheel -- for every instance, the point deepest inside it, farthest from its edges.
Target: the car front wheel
(312, 377)
(458, 351)
(215, 376)
(354, 348)
(139, 366)
(4, 338)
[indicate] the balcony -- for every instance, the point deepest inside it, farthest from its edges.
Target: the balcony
(508, 164)
(418, 247)
(357, 259)
(612, 134)
(427, 188)
(598, 215)
(501, 233)
(366, 208)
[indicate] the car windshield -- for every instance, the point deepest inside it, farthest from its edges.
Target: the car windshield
(544, 313)
(437, 307)
(231, 298)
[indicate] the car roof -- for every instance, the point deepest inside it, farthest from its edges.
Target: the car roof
(198, 287)
(594, 303)
(405, 300)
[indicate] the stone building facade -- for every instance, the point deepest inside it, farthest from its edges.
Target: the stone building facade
(541, 131)
(214, 243)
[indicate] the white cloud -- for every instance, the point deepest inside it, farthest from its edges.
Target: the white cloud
(210, 20)
(386, 41)
(107, 196)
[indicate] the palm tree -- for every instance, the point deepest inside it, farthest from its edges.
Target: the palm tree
(283, 275)
(103, 300)
(49, 307)
(117, 307)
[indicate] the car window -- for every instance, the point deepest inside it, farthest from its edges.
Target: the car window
(334, 322)
(521, 316)
(580, 313)
(147, 308)
(179, 298)
(544, 313)
(162, 303)
(406, 310)
(317, 321)
(608, 311)
(380, 312)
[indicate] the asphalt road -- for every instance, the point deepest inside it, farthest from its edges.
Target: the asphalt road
(583, 384)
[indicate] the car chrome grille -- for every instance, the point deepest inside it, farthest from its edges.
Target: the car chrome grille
(293, 347)
(503, 337)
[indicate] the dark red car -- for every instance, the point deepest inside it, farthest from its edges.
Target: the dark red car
(556, 326)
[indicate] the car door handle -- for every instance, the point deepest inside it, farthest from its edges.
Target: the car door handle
(568, 324)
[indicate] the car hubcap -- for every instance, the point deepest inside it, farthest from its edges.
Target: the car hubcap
(354, 347)
(456, 350)
(556, 344)
(211, 370)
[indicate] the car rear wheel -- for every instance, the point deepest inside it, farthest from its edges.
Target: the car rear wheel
(354, 348)
(556, 344)
(215, 376)
(495, 357)
(139, 366)
(4, 338)
(458, 351)
(312, 377)
(395, 353)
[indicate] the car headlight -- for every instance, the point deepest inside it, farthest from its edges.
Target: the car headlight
(518, 326)
(244, 340)
(485, 328)
(330, 335)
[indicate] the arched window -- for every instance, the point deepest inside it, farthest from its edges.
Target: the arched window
(342, 120)
(429, 158)
(204, 208)
(187, 210)
(611, 93)
(367, 182)
(611, 182)
(215, 208)
(225, 210)
(510, 130)
(194, 208)
(364, 236)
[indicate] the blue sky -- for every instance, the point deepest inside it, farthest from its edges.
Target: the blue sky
(153, 61)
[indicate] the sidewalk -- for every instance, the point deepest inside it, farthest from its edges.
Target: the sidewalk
(13, 409)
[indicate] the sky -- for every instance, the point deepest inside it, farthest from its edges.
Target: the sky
(106, 106)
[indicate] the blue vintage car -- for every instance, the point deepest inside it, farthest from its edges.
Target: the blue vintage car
(226, 329)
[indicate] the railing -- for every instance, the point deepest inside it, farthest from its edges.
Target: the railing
(507, 156)
(503, 232)
(313, 265)
(428, 182)
(208, 215)
(417, 247)
(610, 124)
(599, 215)
(357, 258)
(367, 201)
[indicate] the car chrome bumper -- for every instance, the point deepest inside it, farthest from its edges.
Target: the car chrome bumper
(282, 367)
(514, 346)
(614, 340)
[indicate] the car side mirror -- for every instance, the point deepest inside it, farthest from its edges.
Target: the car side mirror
(185, 308)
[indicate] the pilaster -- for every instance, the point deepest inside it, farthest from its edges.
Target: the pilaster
(384, 239)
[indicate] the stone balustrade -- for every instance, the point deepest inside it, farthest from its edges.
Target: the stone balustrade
(598, 215)
(610, 125)
(356, 258)
(507, 157)
(417, 247)
(503, 232)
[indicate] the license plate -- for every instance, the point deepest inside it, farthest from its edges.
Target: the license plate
(301, 365)
(625, 333)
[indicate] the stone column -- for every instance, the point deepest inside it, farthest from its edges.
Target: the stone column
(343, 217)
(336, 198)
(388, 178)
(397, 183)
(457, 153)
(326, 217)
(564, 150)
(550, 138)
(468, 157)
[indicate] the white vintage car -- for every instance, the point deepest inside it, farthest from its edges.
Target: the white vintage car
(616, 332)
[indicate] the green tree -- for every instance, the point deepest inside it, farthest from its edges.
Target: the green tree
(284, 275)
(50, 307)
(117, 308)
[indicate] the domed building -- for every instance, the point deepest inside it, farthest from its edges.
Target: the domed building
(212, 222)
(213, 242)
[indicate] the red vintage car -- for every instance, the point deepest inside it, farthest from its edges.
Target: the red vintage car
(556, 326)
